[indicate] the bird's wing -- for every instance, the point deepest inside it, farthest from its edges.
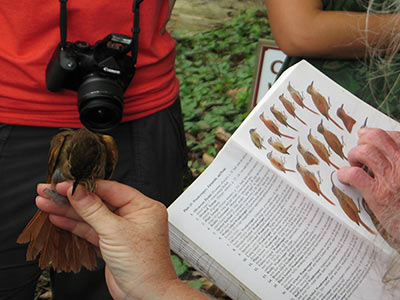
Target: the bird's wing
(56, 146)
(112, 154)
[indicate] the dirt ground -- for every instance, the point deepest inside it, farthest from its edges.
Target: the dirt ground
(193, 16)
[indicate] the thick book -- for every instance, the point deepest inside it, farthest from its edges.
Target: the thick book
(268, 219)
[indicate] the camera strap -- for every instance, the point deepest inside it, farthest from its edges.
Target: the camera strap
(63, 22)
(135, 30)
(134, 46)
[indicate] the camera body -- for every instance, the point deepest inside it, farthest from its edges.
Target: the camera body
(100, 74)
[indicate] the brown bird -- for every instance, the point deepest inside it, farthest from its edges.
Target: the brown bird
(311, 181)
(321, 150)
(290, 108)
(298, 98)
(279, 146)
(347, 120)
(281, 117)
(332, 140)
(273, 127)
(321, 103)
(348, 206)
(278, 163)
(309, 158)
(81, 156)
(393, 242)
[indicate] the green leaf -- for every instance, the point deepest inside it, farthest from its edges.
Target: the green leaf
(197, 284)
(180, 266)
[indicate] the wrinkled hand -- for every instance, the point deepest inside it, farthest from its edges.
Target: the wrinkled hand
(379, 150)
(133, 239)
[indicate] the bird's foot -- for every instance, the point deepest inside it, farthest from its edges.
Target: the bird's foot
(55, 196)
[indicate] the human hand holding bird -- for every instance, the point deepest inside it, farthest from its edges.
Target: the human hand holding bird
(81, 156)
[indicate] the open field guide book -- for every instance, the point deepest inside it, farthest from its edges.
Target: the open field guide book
(268, 219)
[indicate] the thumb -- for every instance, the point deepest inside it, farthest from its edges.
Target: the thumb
(92, 210)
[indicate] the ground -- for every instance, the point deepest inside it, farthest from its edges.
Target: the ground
(193, 16)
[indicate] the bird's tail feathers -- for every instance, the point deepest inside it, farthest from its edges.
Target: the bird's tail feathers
(62, 249)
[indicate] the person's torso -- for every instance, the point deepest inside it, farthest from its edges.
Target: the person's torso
(30, 33)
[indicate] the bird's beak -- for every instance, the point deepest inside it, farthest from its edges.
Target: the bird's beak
(75, 184)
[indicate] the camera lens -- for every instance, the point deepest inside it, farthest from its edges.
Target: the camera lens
(100, 103)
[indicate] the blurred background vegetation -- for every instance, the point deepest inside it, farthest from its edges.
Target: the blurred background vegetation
(216, 69)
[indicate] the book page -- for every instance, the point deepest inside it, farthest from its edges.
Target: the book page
(274, 240)
(210, 268)
(267, 229)
(295, 151)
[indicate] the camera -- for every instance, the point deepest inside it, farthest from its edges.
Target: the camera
(100, 74)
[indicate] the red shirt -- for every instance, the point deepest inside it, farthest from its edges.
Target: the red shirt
(29, 33)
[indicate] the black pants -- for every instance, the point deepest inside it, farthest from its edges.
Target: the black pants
(152, 158)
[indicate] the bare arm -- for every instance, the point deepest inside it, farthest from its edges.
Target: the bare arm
(302, 28)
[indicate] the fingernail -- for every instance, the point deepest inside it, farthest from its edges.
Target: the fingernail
(42, 184)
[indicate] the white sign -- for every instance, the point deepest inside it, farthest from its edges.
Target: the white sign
(269, 61)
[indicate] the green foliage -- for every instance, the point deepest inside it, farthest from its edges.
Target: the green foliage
(180, 266)
(197, 284)
(216, 70)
